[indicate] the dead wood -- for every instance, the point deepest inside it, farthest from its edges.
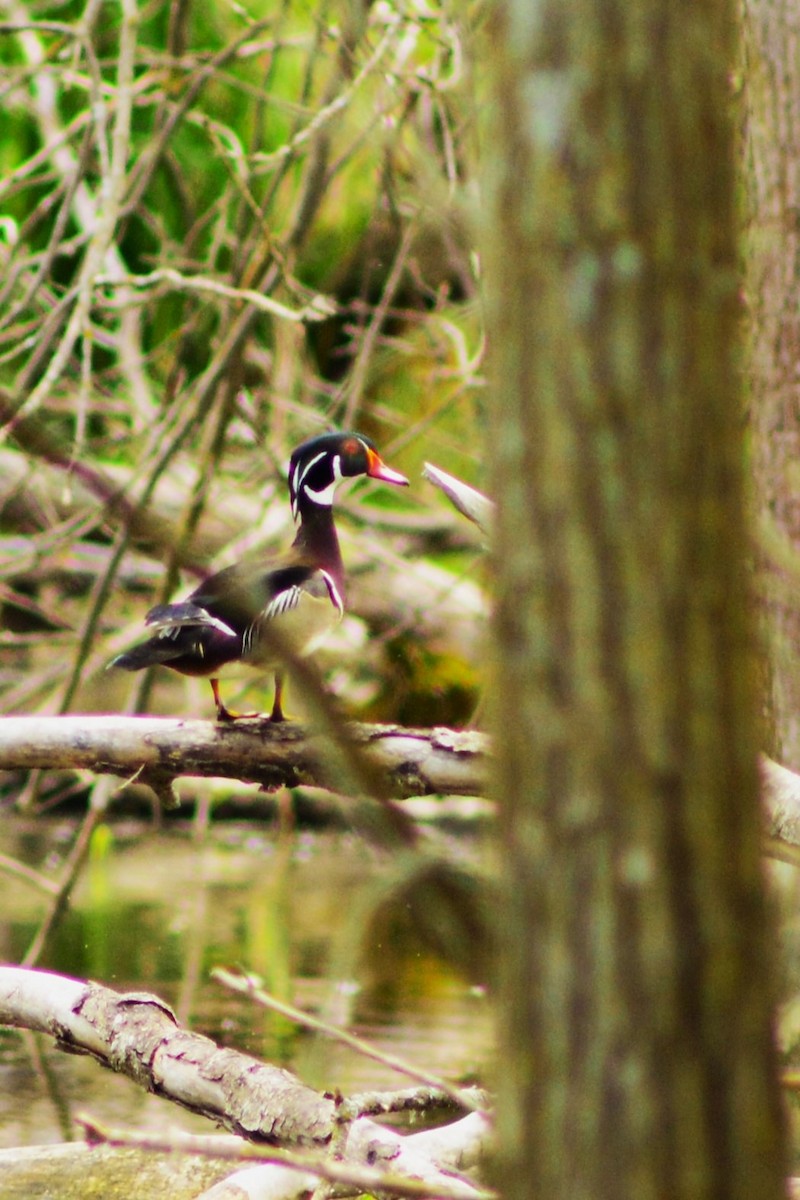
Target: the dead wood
(156, 751)
(780, 790)
(136, 1034)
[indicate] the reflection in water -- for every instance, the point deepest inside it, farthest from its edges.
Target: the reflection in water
(156, 911)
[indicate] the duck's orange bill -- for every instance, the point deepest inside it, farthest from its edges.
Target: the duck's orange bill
(378, 469)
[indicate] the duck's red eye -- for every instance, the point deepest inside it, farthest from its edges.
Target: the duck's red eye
(350, 447)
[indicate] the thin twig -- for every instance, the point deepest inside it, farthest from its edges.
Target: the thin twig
(245, 986)
(364, 1179)
(106, 217)
(338, 104)
(69, 877)
(319, 309)
(356, 379)
(12, 866)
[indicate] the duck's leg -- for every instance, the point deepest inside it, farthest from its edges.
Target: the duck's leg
(223, 713)
(227, 714)
(277, 706)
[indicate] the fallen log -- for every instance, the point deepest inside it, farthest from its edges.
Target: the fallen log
(157, 750)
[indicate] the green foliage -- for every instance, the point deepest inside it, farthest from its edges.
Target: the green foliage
(159, 173)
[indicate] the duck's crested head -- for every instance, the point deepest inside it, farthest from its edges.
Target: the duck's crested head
(318, 465)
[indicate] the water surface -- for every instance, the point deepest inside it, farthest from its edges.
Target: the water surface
(157, 910)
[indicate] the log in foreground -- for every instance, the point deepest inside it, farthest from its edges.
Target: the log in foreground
(157, 750)
(137, 1035)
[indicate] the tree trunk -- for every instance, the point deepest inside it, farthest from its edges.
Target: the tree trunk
(636, 1049)
(771, 127)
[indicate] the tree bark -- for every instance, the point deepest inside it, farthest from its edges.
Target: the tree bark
(635, 1031)
(771, 134)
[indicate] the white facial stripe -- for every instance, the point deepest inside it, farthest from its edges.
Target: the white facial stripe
(302, 474)
(324, 497)
(298, 475)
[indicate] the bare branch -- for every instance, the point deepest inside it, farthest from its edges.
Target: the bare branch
(393, 23)
(11, 866)
(318, 310)
(472, 503)
(97, 215)
(69, 878)
(413, 762)
(137, 1035)
(246, 987)
(780, 790)
(425, 1184)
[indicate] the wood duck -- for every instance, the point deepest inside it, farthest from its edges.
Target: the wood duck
(241, 614)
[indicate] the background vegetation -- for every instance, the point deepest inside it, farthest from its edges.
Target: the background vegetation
(224, 230)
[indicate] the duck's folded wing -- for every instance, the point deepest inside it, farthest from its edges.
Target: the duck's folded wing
(227, 617)
(168, 619)
(240, 595)
(296, 618)
(289, 589)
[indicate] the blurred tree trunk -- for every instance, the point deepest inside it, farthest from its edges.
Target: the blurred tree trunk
(635, 1043)
(771, 150)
